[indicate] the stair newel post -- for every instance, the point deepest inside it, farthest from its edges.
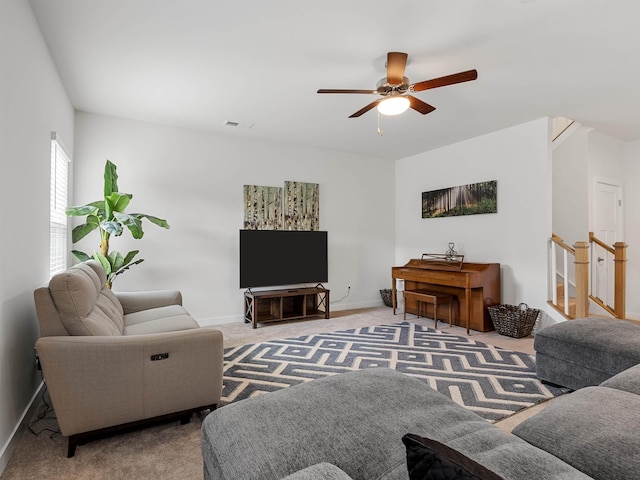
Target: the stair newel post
(620, 273)
(553, 272)
(582, 278)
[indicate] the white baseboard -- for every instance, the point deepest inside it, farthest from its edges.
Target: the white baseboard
(357, 305)
(10, 446)
(551, 316)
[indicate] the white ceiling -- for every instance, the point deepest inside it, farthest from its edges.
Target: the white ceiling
(199, 63)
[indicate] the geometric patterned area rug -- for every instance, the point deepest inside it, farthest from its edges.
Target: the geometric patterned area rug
(493, 382)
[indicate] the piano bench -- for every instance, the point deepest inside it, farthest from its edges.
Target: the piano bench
(434, 298)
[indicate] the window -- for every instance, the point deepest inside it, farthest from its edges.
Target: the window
(58, 203)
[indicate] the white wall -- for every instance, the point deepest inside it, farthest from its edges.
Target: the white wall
(631, 171)
(195, 180)
(516, 237)
(571, 188)
(605, 157)
(32, 105)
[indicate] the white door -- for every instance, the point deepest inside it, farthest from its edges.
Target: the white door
(607, 226)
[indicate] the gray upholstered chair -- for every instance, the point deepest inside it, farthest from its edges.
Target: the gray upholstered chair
(114, 361)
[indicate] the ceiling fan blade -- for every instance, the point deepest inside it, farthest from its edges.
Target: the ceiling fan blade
(366, 109)
(444, 81)
(396, 63)
(338, 90)
(420, 106)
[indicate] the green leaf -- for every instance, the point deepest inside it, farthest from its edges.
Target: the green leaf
(118, 201)
(83, 257)
(158, 221)
(81, 210)
(81, 231)
(116, 260)
(127, 267)
(100, 205)
(133, 223)
(130, 255)
(94, 220)
(112, 228)
(104, 261)
(110, 179)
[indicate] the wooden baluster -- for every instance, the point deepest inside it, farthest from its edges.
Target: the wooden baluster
(582, 279)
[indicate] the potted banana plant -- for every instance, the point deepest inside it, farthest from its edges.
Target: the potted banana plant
(109, 218)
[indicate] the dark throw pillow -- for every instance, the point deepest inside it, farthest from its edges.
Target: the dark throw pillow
(429, 459)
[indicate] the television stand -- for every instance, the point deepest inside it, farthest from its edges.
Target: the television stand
(287, 304)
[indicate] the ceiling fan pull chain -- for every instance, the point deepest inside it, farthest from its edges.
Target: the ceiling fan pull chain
(380, 132)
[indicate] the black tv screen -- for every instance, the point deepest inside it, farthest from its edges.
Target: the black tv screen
(282, 257)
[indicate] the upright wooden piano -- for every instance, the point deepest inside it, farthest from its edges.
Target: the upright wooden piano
(476, 286)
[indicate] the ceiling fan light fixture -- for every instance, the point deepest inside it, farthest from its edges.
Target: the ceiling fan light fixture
(393, 105)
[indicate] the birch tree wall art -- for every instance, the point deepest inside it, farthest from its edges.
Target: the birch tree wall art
(301, 206)
(262, 208)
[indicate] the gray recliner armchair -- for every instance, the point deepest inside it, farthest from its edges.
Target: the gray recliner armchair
(113, 361)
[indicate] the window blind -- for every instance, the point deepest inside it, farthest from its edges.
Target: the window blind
(58, 202)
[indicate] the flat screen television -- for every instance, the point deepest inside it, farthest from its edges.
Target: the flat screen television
(271, 258)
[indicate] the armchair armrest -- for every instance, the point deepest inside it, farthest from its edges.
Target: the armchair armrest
(98, 382)
(136, 301)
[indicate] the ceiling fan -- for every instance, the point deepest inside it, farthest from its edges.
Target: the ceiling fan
(395, 89)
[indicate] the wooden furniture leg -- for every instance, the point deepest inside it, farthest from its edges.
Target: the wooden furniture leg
(467, 299)
(422, 297)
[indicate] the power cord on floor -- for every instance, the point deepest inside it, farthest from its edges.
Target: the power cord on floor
(340, 299)
(46, 414)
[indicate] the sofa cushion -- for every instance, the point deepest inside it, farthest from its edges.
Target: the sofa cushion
(85, 307)
(594, 429)
(428, 459)
(158, 320)
(151, 314)
(627, 380)
(162, 324)
(586, 352)
(97, 323)
(319, 471)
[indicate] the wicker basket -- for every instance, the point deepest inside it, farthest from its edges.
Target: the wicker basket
(385, 293)
(514, 321)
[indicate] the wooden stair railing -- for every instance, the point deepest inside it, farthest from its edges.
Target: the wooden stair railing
(619, 252)
(578, 306)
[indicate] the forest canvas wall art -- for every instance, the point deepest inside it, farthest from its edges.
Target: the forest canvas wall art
(471, 199)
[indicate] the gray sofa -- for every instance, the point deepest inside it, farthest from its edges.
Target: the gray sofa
(112, 361)
(352, 425)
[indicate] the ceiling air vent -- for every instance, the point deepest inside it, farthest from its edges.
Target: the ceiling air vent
(229, 123)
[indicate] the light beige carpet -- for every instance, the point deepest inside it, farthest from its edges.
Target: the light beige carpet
(172, 451)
